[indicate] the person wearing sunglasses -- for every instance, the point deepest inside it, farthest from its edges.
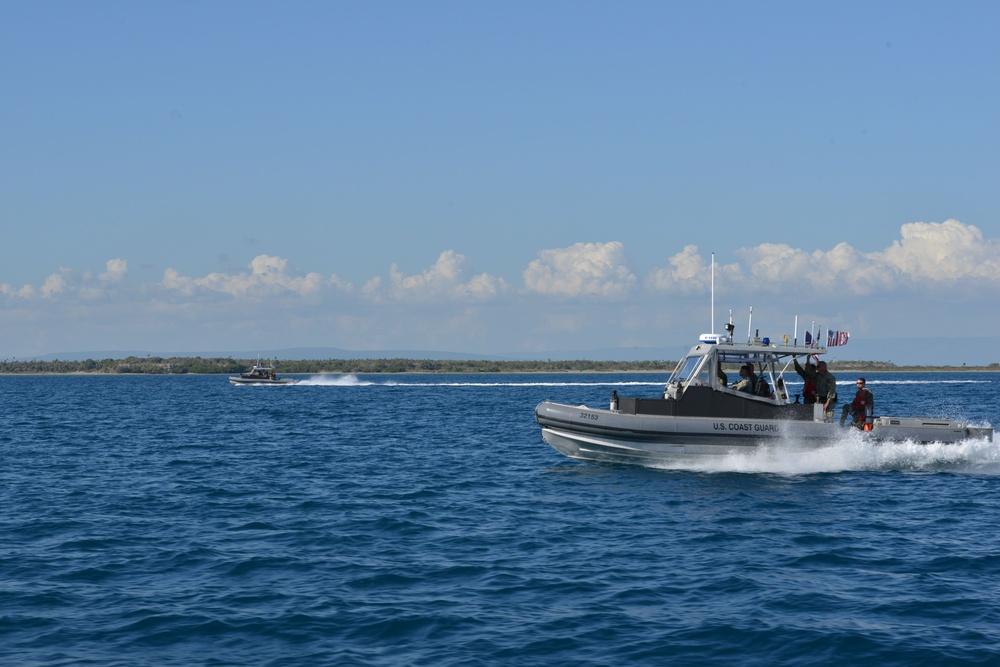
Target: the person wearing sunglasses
(863, 399)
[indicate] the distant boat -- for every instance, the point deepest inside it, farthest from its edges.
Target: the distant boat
(260, 374)
(700, 415)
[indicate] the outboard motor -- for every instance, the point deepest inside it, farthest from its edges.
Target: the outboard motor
(614, 400)
(869, 417)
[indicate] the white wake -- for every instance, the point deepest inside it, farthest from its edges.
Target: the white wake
(853, 453)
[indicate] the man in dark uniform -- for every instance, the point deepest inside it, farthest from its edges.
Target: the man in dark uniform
(826, 390)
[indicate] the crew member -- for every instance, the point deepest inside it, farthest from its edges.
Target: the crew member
(808, 375)
(826, 390)
(721, 374)
(748, 380)
(856, 408)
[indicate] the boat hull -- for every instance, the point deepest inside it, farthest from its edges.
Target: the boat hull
(259, 381)
(593, 434)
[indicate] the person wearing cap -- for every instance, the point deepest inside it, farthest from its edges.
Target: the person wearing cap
(748, 380)
(826, 390)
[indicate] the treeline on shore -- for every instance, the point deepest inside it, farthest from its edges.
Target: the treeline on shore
(198, 365)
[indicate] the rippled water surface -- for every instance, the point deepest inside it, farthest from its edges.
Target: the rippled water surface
(421, 520)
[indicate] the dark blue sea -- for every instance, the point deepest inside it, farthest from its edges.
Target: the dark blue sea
(421, 520)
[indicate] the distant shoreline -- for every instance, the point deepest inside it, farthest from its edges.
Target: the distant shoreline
(229, 366)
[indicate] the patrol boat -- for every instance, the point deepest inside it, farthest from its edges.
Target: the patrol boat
(700, 415)
(260, 374)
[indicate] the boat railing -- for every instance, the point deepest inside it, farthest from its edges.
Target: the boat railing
(772, 398)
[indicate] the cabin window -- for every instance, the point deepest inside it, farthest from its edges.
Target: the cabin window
(692, 371)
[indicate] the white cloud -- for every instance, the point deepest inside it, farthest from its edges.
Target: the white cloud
(596, 269)
(777, 263)
(68, 283)
(267, 277)
(483, 286)
(372, 288)
(945, 251)
(446, 279)
(927, 253)
(54, 284)
(446, 306)
(25, 292)
(690, 273)
(772, 266)
(116, 270)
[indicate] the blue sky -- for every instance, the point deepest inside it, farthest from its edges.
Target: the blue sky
(506, 178)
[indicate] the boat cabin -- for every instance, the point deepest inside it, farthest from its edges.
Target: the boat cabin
(703, 383)
(716, 366)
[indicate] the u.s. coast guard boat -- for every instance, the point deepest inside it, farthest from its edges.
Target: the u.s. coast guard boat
(700, 414)
(260, 374)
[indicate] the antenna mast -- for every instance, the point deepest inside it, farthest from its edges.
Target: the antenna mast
(713, 292)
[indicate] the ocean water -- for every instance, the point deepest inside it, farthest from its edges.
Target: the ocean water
(421, 520)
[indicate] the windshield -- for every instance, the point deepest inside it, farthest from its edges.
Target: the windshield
(689, 369)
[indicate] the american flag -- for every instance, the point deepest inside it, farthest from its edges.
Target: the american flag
(835, 338)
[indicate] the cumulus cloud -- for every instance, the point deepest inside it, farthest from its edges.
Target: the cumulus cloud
(773, 266)
(593, 269)
(24, 292)
(116, 270)
(67, 282)
(448, 279)
(944, 251)
(53, 285)
(926, 254)
(950, 259)
(268, 276)
(690, 273)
